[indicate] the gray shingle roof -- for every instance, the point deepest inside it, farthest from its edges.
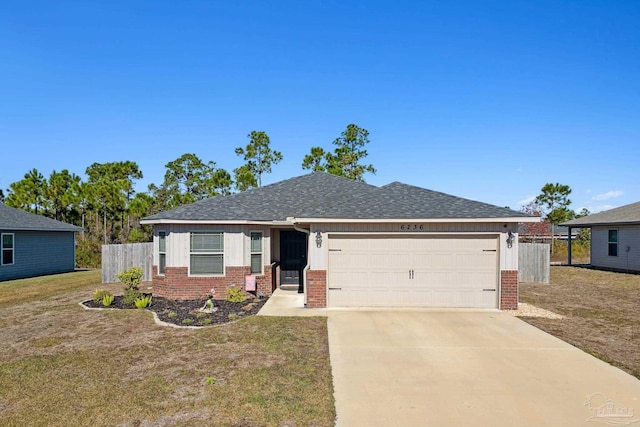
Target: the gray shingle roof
(12, 219)
(321, 195)
(628, 214)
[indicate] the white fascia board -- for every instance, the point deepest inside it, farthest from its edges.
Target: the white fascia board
(405, 220)
(212, 222)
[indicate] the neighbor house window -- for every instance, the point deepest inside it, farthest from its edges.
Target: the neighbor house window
(207, 253)
(7, 249)
(613, 242)
(256, 253)
(162, 251)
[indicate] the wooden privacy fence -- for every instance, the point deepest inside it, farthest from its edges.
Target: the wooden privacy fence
(117, 258)
(533, 262)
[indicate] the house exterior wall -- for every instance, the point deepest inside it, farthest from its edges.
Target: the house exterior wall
(508, 256)
(237, 243)
(38, 253)
(628, 236)
(178, 283)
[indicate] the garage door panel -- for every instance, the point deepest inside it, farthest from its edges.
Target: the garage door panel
(413, 271)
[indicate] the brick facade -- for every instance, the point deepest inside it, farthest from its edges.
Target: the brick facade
(509, 290)
(316, 288)
(177, 284)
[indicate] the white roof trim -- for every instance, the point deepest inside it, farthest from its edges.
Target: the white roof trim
(292, 220)
(406, 220)
(212, 221)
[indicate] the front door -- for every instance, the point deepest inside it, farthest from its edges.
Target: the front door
(293, 257)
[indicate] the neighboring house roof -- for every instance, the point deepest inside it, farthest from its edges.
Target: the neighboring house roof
(628, 214)
(12, 219)
(557, 230)
(326, 196)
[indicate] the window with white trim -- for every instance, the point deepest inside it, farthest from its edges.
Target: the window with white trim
(8, 243)
(162, 251)
(613, 242)
(256, 252)
(206, 252)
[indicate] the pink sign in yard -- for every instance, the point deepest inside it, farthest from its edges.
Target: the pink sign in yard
(249, 283)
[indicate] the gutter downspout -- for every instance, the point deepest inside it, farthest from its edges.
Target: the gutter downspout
(306, 267)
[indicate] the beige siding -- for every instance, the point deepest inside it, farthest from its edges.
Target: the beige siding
(628, 236)
(237, 241)
(508, 257)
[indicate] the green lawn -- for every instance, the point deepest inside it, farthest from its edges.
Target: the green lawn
(61, 365)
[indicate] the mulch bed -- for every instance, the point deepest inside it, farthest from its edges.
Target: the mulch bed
(188, 313)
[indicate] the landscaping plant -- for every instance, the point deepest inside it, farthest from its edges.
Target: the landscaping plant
(107, 299)
(98, 295)
(143, 302)
(235, 295)
(131, 279)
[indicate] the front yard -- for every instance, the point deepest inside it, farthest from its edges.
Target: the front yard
(61, 365)
(602, 312)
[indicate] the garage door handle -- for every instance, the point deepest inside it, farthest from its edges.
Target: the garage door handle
(489, 250)
(489, 290)
(335, 289)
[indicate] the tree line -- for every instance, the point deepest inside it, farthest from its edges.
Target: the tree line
(553, 205)
(106, 205)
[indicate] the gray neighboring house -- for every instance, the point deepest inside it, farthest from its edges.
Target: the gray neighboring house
(33, 245)
(342, 243)
(615, 237)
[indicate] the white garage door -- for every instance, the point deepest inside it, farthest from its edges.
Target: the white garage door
(413, 271)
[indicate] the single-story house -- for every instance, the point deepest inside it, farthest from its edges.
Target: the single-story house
(34, 245)
(615, 237)
(342, 243)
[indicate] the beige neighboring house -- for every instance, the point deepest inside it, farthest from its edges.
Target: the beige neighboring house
(342, 243)
(615, 237)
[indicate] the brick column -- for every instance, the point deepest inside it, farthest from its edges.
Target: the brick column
(316, 288)
(509, 290)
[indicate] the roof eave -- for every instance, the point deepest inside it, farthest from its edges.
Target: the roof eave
(13, 228)
(600, 224)
(213, 221)
(423, 220)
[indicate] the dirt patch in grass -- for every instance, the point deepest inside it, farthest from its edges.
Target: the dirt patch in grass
(601, 309)
(61, 365)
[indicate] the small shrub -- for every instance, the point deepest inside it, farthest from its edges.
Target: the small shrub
(233, 316)
(99, 294)
(201, 315)
(131, 278)
(107, 300)
(130, 296)
(187, 321)
(172, 315)
(235, 295)
(211, 381)
(206, 321)
(143, 302)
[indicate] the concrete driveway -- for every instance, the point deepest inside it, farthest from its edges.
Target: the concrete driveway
(462, 368)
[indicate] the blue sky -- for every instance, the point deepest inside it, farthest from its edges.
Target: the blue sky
(487, 100)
